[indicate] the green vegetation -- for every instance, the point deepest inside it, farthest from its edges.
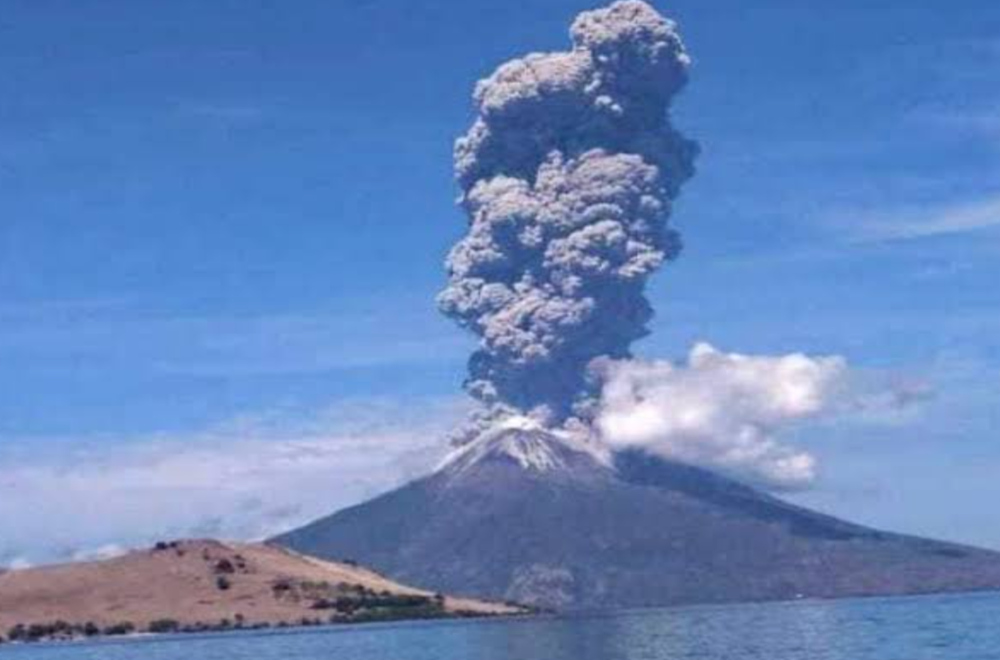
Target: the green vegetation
(355, 603)
(124, 628)
(341, 602)
(164, 626)
(36, 632)
(55, 630)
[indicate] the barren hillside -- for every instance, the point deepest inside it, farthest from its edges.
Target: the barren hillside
(202, 584)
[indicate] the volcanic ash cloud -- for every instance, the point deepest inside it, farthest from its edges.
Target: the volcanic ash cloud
(567, 175)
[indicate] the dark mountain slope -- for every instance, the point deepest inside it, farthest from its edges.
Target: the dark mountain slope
(529, 518)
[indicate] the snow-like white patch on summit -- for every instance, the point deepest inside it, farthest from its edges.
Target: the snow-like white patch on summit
(530, 452)
(530, 444)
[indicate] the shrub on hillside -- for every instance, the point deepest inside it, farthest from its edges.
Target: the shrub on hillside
(164, 626)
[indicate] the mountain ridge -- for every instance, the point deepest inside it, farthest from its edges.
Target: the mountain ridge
(549, 522)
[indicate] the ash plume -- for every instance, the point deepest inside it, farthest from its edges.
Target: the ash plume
(568, 176)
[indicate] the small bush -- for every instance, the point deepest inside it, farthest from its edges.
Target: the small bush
(164, 626)
(224, 567)
(123, 628)
(322, 604)
(160, 546)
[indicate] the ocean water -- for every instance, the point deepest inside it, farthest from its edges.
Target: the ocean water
(963, 627)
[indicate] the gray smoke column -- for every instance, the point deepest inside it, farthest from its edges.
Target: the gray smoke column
(568, 176)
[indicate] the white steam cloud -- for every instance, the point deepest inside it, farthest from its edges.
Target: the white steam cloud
(725, 411)
(247, 478)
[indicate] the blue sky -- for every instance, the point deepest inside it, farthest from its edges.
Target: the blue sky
(238, 211)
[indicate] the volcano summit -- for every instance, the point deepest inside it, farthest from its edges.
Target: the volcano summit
(527, 516)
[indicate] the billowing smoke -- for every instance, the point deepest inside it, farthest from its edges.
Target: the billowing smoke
(724, 410)
(567, 175)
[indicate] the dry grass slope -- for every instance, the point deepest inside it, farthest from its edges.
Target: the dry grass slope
(205, 584)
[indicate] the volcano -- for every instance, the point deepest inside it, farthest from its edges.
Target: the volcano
(526, 516)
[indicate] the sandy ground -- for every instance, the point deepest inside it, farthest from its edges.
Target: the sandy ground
(181, 582)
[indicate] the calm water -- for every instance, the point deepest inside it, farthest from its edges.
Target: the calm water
(950, 628)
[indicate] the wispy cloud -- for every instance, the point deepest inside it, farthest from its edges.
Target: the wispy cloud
(309, 341)
(913, 222)
(248, 477)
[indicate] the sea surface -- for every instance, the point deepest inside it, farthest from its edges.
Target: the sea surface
(963, 627)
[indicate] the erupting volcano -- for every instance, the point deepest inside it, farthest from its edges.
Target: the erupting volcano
(576, 484)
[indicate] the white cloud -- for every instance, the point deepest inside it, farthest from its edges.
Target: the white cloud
(16, 564)
(246, 478)
(725, 411)
(909, 223)
(98, 335)
(256, 475)
(106, 551)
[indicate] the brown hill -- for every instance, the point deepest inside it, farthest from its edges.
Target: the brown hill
(204, 584)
